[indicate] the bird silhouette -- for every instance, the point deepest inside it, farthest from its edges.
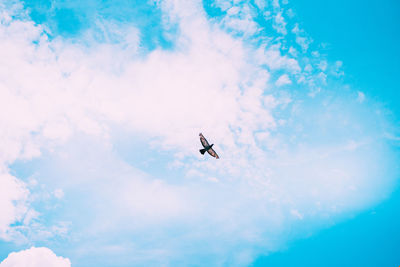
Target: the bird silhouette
(207, 147)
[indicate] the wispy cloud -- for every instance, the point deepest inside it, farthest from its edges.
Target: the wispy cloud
(285, 157)
(283, 80)
(360, 96)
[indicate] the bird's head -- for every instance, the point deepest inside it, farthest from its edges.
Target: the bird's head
(211, 145)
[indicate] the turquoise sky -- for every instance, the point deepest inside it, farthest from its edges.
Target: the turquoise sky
(106, 100)
(366, 37)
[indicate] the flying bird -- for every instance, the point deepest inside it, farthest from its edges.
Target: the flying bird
(207, 147)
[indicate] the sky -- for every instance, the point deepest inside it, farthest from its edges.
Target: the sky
(102, 103)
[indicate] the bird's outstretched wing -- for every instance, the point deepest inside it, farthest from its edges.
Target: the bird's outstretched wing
(213, 153)
(203, 140)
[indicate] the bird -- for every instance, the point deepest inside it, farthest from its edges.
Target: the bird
(207, 147)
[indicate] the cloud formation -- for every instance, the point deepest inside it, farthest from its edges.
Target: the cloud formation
(35, 257)
(287, 159)
(13, 203)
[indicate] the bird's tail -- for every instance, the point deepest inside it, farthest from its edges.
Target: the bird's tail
(202, 151)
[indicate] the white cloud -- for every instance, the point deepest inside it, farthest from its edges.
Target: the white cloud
(280, 24)
(296, 214)
(67, 90)
(322, 77)
(240, 19)
(303, 42)
(261, 4)
(338, 69)
(293, 51)
(58, 193)
(35, 257)
(223, 4)
(211, 81)
(323, 65)
(283, 80)
(360, 96)
(274, 59)
(290, 13)
(13, 203)
(308, 68)
(301, 39)
(275, 4)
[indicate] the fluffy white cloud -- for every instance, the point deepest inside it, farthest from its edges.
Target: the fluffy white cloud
(283, 80)
(13, 206)
(35, 257)
(279, 23)
(287, 157)
(66, 89)
(58, 193)
(301, 39)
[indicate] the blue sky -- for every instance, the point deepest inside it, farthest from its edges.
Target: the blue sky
(365, 36)
(103, 102)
